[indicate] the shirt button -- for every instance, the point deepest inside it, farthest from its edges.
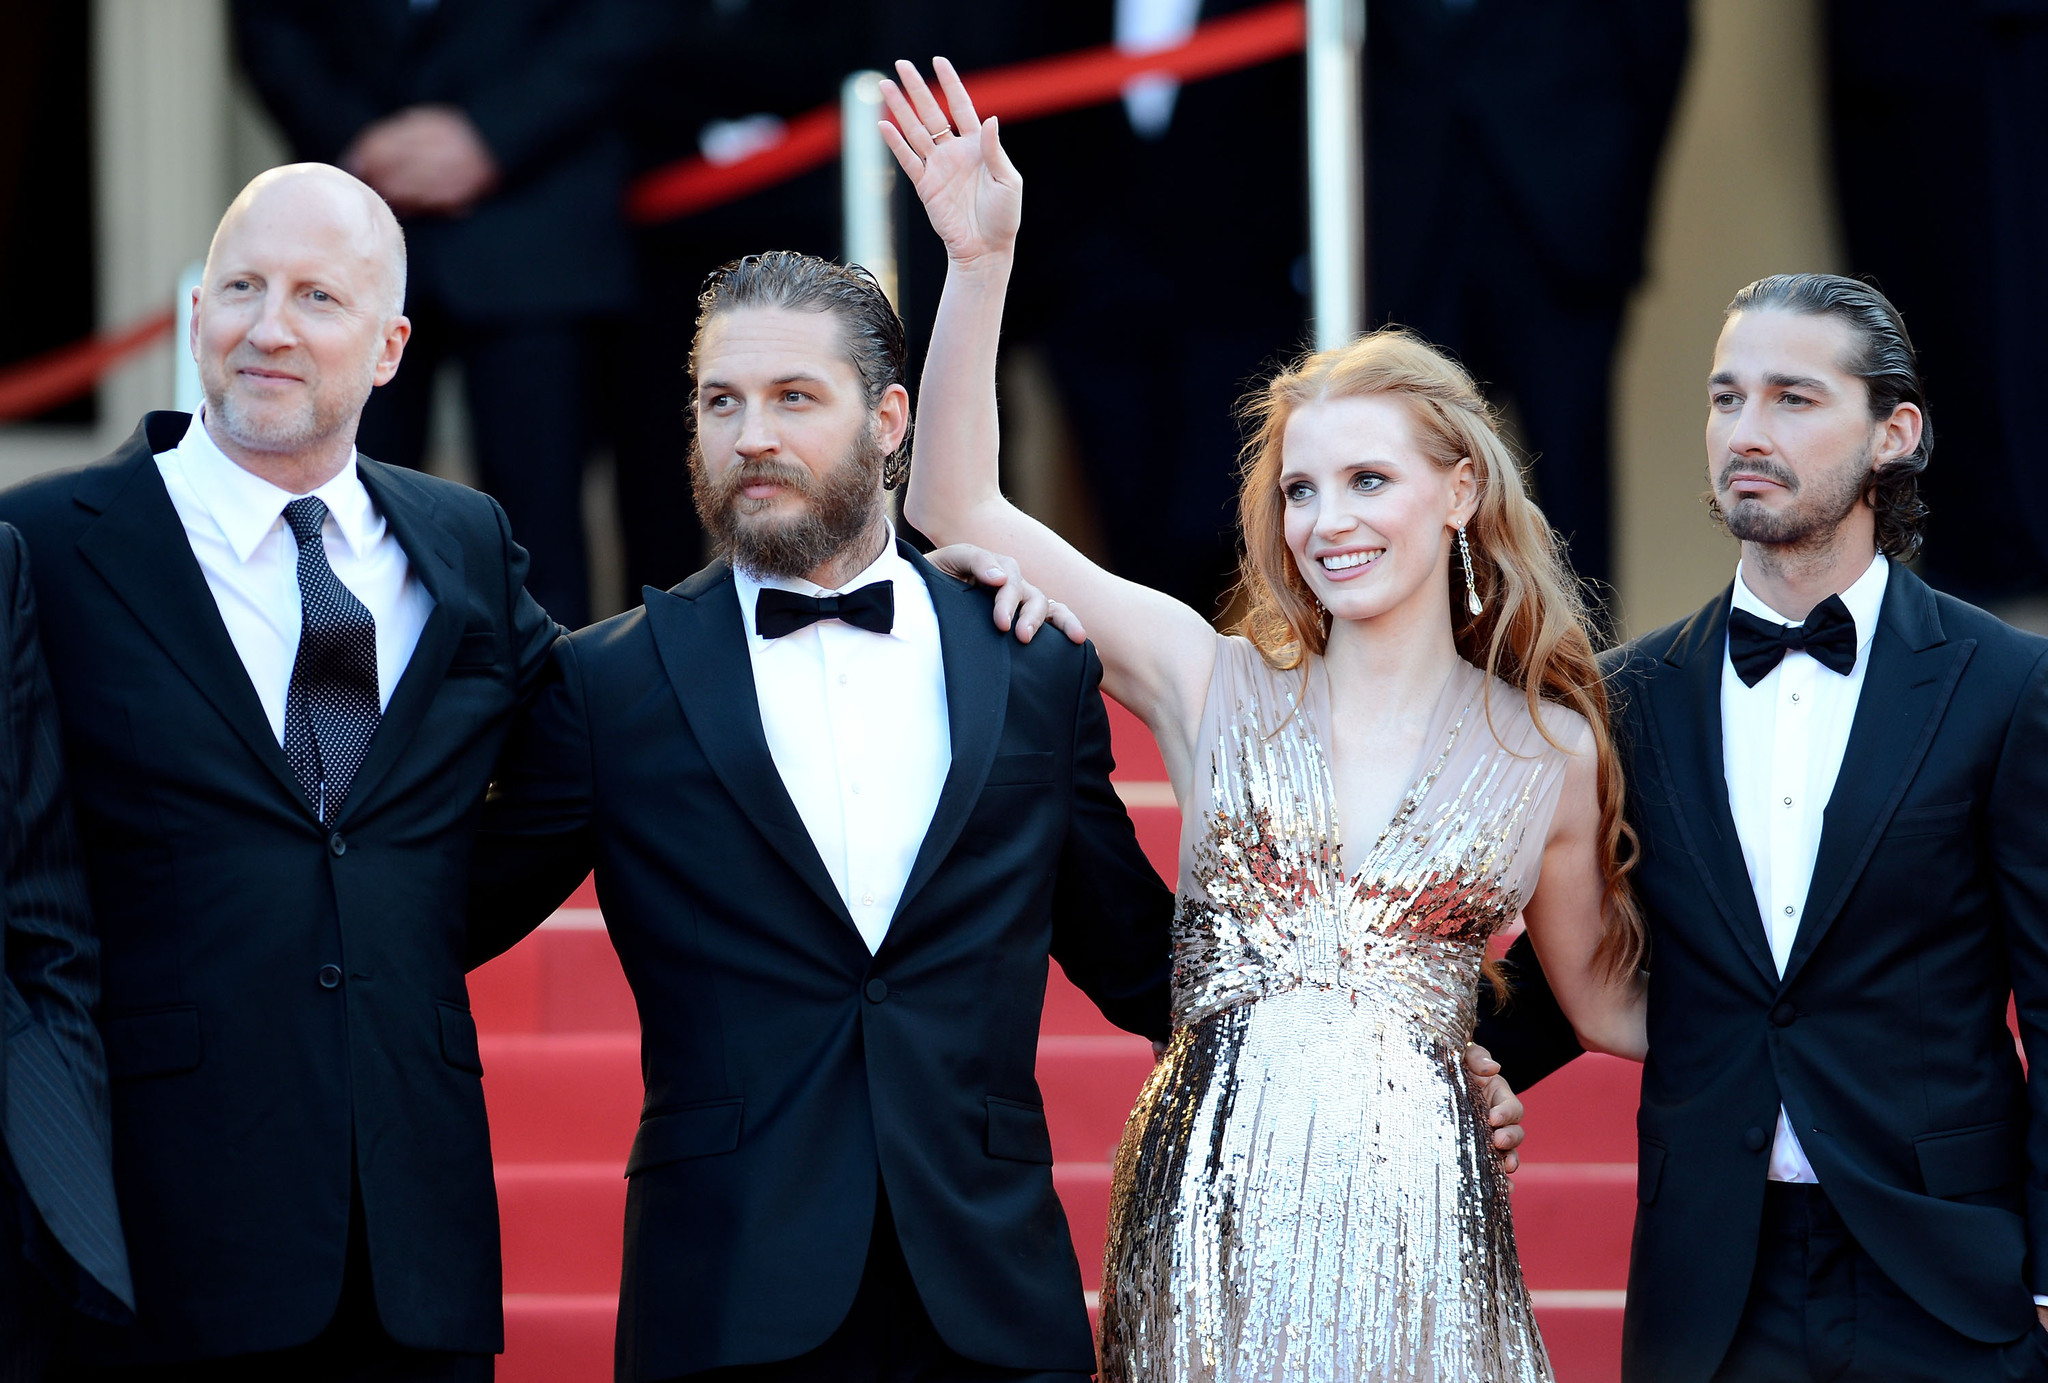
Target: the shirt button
(1788, 909)
(1795, 696)
(842, 679)
(329, 976)
(1788, 801)
(856, 789)
(867, 900)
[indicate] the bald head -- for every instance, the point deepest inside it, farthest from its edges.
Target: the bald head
(298, 318)
(329, 212)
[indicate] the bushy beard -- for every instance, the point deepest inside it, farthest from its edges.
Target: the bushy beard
(1809, 521)
(841, 508)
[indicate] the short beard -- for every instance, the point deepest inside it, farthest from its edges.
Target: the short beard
(842, 507)
(319, 417)
(1807, 524)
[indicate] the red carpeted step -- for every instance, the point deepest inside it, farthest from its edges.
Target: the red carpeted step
(1586, 1112)
(1582, 1331)
(1089, 1085)
(559, 1338)
(563, 1225)
(563, 978)
(1573, 1223)
(1137, 753)
(1069, 1012)
(562, 1097)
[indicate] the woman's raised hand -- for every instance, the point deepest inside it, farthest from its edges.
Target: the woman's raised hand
(971, 191)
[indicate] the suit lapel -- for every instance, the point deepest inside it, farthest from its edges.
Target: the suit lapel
(1686, 706)
(977, 664)
(703, 646)
(1913, 671)
(436, 558)
(138, 546)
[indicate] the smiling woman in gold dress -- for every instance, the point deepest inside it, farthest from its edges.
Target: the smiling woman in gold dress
(1402, 748)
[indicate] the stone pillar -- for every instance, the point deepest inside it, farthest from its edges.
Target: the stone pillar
(162, 138)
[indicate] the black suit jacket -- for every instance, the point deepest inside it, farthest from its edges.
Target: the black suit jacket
(283, 1003)
(787, 1068)
(542, 80)
(1886, 1041)
(52, 1070)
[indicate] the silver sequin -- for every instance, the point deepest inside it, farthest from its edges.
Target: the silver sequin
(1307, 1189)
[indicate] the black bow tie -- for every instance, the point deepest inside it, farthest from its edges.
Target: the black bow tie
(1756, 646)
(872, 607)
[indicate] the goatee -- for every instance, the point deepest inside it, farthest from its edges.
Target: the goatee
(1818, 507)
(841, 509)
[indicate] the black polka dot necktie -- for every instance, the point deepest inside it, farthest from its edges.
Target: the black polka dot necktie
(331, 709)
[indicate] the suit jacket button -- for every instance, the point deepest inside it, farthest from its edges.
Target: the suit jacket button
(1754, 1139)
(1784, 1014)
(877, 991)
(329, 977)
(337, 844)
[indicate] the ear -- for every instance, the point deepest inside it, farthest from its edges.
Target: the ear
(192, 327)
(397, 332)
(1464, 478)
(1897, 435)
(892, 418)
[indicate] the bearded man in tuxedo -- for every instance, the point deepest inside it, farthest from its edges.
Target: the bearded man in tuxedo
(1836, 778)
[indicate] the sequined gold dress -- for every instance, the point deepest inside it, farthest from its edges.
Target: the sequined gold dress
(1307, 1190)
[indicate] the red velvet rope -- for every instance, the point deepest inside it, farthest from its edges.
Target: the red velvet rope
(59, 376)
(1017, 92)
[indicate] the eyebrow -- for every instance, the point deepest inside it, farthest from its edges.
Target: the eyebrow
(777, 383)
(1806, 383)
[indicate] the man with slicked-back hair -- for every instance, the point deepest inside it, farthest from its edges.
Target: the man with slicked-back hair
(1836, 775)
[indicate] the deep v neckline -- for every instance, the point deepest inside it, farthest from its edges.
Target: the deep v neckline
(1430, 756)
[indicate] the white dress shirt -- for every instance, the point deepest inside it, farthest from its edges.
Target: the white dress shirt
(856, 723)
(234, 520)
(1782, 742)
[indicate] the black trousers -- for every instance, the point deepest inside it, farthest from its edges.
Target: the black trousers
(885, 1338)
(354, 1348)
(528, 386)
(1821, 1311)
(29, 1309)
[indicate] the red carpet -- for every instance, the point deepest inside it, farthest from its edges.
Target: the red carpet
(562, 1075)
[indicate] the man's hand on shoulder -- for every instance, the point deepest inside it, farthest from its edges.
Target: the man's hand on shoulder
(1504, 1107)
(1020, 606)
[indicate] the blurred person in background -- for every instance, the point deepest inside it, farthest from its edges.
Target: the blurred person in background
(1512, 152)
(1138, 210)
(494, 132)
(1959, 94)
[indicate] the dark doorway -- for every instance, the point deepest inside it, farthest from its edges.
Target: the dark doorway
(46, 216)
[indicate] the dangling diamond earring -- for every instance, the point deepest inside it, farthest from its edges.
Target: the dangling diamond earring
(1472, 601)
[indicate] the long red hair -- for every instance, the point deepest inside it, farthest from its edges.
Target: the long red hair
(1535, 634)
